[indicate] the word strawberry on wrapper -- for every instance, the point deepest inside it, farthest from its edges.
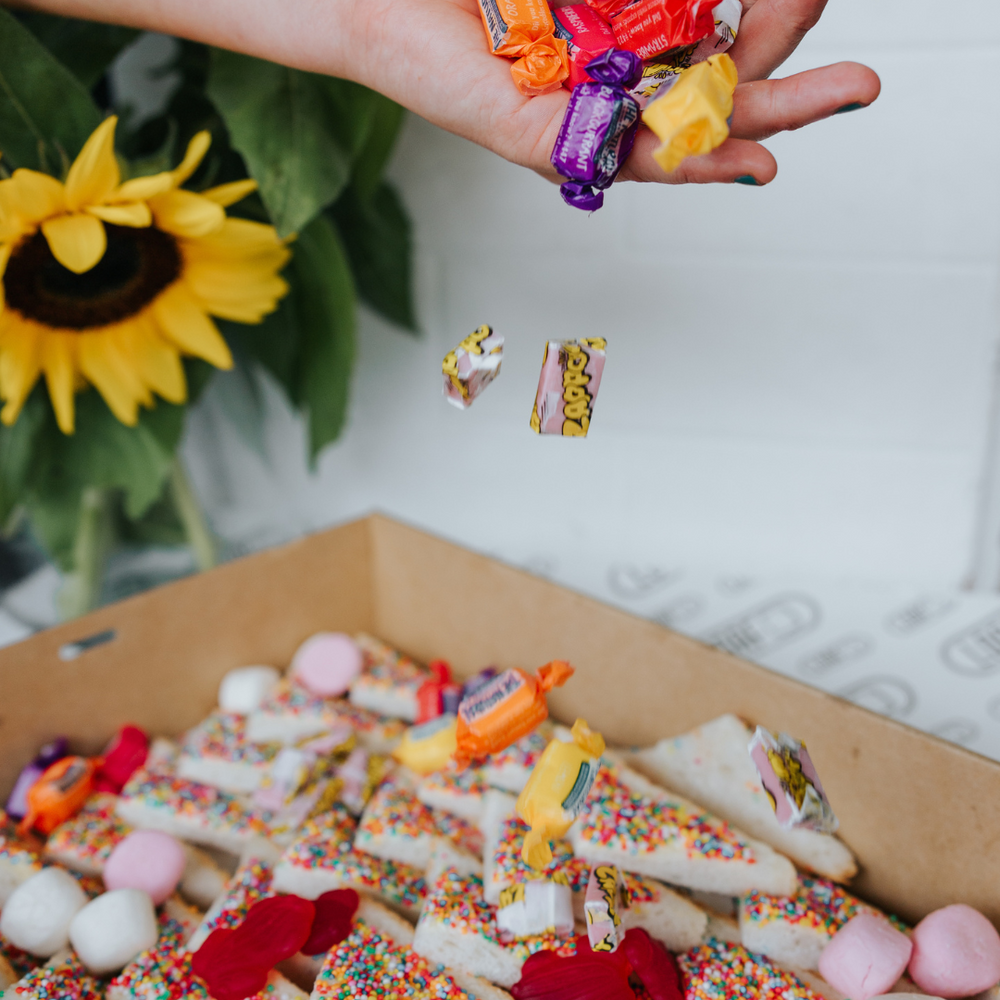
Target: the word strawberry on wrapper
(537, 906)
(651, 27)
(568, 386)
(791, 782)
(470, 368)
(603, 907)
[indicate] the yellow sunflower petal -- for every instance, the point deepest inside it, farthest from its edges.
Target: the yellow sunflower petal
(244, 294)
(137, 214)
(94, 174)
(185, 323)
(185, 213)
(108, 371)
(239, 237)
(229, 194)
(142, 188)
(32, 196)
(19, 364)
(59, 365)
(76, 241)
(197, 148)
(156, 361)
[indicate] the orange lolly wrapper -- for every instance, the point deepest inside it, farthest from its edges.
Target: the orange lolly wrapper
(506, 709)
(524, 30)
(59, 794)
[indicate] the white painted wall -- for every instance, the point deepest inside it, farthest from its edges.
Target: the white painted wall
(800, 379)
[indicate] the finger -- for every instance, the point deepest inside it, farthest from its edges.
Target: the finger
(765, 107)
(735, 160)
(770, 32)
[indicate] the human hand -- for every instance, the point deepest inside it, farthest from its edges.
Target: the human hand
(431, 56)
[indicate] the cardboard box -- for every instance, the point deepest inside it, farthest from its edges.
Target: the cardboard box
(922, 816)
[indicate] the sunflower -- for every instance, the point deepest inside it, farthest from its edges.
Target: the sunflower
(109, 283)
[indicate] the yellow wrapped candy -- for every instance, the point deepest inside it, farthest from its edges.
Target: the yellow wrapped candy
(429, 746)
(692, 118)
(556, 791)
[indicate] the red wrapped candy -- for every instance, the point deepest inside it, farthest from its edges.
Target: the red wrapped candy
(651, 27)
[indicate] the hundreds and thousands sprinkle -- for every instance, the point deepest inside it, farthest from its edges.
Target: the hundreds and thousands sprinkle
(510, 869)
(367, 966)
(209, 807)
(224, 737)
(817, 904)
(325, 845)
(721, 971)
(88, 839)
(395, 811)
(457, 901)
(252, 882)
(616, 817)
(66, 981)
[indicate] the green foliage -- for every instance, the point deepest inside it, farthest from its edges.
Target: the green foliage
(46, 114)
(85, 48)
(316, 146)
(376, 233)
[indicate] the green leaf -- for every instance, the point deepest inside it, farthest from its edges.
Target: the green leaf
(46, 114)
(376, 233)
(324, 302)
(387, 119)
(275, 343)
(290, 128)
(85, 48)
(16, 449)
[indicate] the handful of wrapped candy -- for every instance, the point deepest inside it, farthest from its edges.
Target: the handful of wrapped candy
(658, 62)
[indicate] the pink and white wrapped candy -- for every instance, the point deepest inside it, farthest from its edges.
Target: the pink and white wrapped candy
(470, 368)
(603, 907)
(568, 386)
(787, 773)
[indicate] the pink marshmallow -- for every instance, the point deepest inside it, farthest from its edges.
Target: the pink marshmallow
(327, 663)
(147, 860)
(866, 957)
(956, 952)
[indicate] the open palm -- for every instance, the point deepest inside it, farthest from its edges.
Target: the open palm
(431, 56)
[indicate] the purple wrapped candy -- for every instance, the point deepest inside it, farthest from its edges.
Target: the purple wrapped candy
(599, 129)
(17, 803)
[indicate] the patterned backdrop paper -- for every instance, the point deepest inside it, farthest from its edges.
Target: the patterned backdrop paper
(931, 660)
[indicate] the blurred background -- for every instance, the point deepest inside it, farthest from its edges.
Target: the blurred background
(795, 451)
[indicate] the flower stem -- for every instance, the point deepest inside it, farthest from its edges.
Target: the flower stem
(199, 535)
(81, 591)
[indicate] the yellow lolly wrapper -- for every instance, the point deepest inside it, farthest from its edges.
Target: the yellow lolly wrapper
(428, 747)
(556, 791)
(692, 118)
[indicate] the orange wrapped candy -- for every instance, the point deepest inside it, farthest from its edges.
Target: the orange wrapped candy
(59, 794)
(524, 30)
(508, 707)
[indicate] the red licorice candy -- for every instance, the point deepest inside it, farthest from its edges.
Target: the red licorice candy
(430, 694)
(651, 27)
(235, 962)
(334, 913)
(654, 965)
(126, 753)
(587, 975)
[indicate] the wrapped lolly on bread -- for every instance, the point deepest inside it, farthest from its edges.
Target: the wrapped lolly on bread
(711, 766)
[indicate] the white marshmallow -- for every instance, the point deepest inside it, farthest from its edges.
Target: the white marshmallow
(244, 689)
(37, 915)
(113, 929)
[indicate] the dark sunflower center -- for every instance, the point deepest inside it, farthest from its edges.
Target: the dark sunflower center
(137, 265)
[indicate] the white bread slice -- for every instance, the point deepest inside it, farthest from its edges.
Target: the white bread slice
(668, 916)
(639, 826)
(711, 766)
(459, 792)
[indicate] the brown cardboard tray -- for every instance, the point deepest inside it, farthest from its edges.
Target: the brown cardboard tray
(923, 816)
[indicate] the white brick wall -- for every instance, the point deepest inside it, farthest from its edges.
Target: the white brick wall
(799, 380)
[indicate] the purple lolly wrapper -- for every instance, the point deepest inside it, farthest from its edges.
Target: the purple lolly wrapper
(598, 130)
